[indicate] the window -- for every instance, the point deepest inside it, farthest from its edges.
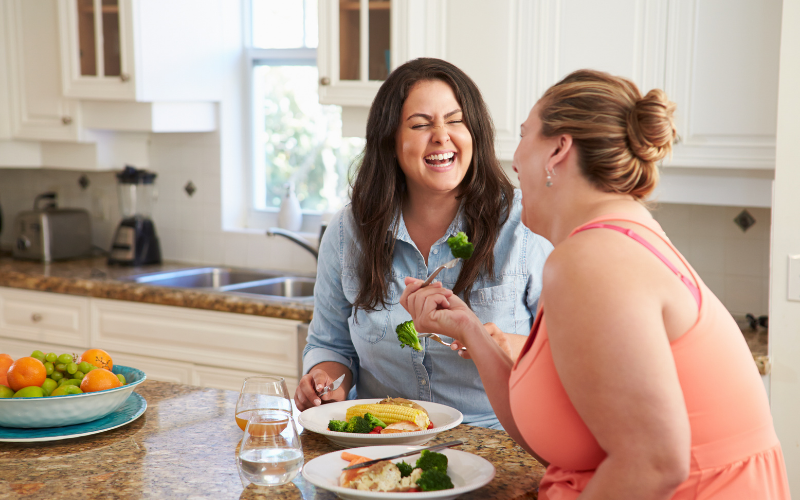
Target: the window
(294, 137)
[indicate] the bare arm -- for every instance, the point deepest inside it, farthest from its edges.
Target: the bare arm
(616, 365)
(437, 310)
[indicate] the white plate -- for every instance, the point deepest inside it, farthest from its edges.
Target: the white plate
(467, 471)
(316, 420)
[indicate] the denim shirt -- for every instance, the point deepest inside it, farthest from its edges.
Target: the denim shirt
(366, 342)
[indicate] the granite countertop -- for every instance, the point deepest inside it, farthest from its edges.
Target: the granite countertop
(93, 277)
(184, 446)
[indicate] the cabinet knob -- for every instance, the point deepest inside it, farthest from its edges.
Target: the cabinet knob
(324, 81)
(66, 120)
(124, 77)
(36, 317)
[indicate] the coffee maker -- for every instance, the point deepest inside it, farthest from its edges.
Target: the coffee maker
(135, 242)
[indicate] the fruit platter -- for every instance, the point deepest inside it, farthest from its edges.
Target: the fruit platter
(48, 390)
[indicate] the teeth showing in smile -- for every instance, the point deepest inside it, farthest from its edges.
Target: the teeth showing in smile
(440, 160)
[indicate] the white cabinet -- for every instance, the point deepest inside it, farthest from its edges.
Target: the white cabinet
(722, 71)
(172, 344)
(44, 317)
(39, 111)
(360, 41)
(141, 50)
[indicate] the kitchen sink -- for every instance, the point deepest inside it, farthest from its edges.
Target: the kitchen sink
(266, 284)
(288, 287)
(205, 277)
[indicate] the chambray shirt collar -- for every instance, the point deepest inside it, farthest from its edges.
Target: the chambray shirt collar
(457, 225)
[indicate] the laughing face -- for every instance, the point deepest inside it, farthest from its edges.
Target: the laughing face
(434, 146)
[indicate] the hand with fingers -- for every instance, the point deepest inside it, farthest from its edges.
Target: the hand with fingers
(307, 393)
(436, 309)
(497, 335)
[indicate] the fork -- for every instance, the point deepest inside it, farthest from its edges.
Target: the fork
(446, 265)
(436, 338)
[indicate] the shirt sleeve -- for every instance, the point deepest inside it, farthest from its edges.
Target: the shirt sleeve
(329, 334)
(538, 251)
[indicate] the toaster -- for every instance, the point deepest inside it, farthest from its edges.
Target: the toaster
(52, 233)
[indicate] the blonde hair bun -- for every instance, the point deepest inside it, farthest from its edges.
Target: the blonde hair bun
(651, 126)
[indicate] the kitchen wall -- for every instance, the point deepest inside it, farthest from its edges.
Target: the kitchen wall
(732, 262)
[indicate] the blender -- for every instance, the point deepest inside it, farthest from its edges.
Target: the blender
(135, 242)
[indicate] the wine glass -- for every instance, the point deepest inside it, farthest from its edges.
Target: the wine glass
(271, 453)
(261, 392)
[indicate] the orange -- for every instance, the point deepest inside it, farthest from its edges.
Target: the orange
(26, 372)
(5, 362)
(98, 358)
(99, 380)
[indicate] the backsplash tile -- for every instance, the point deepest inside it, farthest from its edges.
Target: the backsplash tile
(733, 264)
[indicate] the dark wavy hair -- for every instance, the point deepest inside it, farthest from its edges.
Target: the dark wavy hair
(486, 193)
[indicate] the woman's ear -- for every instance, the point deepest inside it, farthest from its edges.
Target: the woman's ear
(563, 145)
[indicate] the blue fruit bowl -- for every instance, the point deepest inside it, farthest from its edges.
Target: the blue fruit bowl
(58, 411)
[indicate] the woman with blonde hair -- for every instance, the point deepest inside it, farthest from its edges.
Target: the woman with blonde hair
(635, 381)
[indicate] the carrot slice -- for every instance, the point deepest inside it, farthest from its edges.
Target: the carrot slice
(351, 456)
(351, 474)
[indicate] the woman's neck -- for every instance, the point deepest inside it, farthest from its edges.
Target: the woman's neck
(427, 217)
(589, 208)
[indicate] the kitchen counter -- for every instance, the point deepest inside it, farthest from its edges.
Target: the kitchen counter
(184, 446)
(95, 278)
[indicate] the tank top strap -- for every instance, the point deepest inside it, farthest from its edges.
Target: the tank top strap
(695, 291)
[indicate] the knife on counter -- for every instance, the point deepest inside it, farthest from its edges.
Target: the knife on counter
(406, 454)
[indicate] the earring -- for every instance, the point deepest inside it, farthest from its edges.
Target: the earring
(549, 182)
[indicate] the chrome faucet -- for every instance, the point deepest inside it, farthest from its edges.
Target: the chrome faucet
(275, 231)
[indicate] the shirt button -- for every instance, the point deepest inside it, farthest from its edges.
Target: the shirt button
(422, 382)
(435, 251)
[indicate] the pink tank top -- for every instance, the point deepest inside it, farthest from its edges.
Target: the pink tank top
(735, 452)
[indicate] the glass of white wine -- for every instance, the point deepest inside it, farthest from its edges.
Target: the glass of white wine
(271, 453)
(260, 393)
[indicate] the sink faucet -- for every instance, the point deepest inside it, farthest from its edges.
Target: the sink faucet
(275, 231)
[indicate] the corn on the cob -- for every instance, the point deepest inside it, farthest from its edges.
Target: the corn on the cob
(390, 414)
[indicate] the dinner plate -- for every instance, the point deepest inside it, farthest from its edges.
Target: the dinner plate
(130, 410)
(467, 471)
(316, 420)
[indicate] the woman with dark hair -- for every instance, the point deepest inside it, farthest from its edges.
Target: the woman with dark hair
(428, 171)
(635, 381)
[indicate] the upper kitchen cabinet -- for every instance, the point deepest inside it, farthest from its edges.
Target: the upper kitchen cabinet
(38, 109)
(141, 50)
(516, 49)
(361, 41)
(722, 71)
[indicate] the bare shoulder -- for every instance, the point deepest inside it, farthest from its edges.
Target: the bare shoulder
(594, 275)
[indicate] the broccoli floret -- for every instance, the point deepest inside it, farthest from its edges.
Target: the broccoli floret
(374, 421)
(430, 460)
(432, 480)
(405, 469)
(407, 335)
(358, 425)
(459, 246)
(337, 425)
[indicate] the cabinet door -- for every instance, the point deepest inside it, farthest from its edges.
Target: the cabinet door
(722, 71)
(38, 111)
(225, 340)
(230, 379)
(535, 44)
(163, 370)
(44, 317)
(96, 48)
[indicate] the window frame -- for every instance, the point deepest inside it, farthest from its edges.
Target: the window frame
(262, 218)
